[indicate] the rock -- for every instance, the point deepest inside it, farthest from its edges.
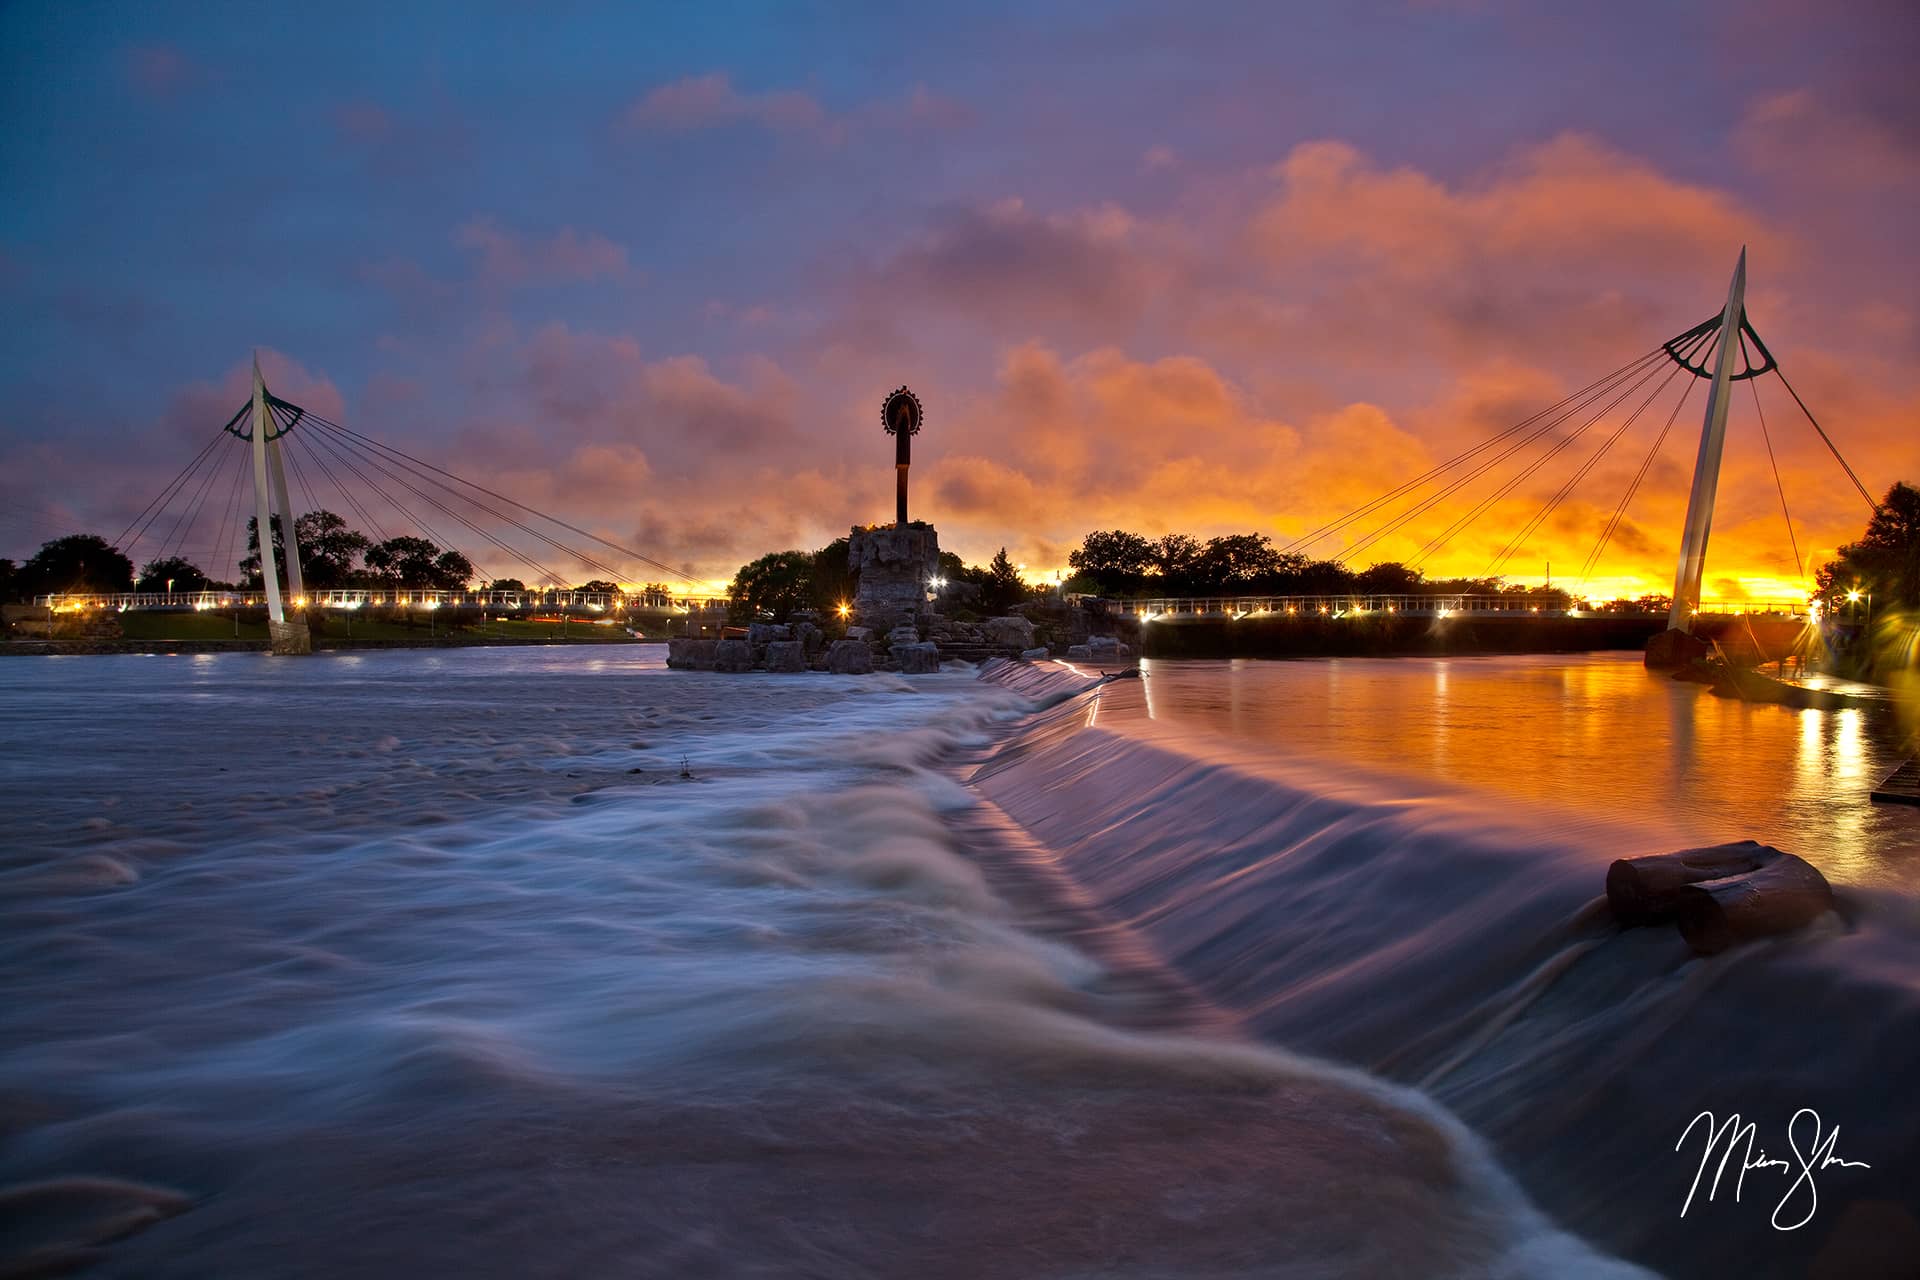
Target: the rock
(902, 636)
(1102, 644)
(690, 653)
(1720, 896)
(1079, 653)
(812, 639)
(1034, 655)
(733, 654)
(918, 658)
(786, 655)
(860, 633)
(849, 658)
(1013, 631)
(893, 564)
(765, 633)
(1673, 649)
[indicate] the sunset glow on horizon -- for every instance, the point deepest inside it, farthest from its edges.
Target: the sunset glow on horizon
(658, 281)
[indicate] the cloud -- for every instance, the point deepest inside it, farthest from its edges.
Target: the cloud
(566, 256)
(711, 101)
(708, 101)
(1158, 157)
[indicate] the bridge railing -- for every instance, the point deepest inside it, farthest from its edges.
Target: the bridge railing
(387, 598)
(1432, 606)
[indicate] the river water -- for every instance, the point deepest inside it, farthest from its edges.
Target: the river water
(526, 962)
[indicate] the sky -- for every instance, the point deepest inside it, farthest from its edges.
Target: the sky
(1208, 268)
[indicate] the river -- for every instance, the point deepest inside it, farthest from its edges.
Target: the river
(548, 962)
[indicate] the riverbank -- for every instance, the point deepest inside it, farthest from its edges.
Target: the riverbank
(1382, 634)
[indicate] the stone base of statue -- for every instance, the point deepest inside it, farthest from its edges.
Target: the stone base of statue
(290, 637)
(894, 563)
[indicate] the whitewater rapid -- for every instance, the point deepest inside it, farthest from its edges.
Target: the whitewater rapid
(524, 962)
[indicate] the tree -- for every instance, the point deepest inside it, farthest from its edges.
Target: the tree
(506, 584)
(9, 575)
(600, 586)
(1175, 558)
(76, 563)
(328, 549)
(1886, 559)
(1390, 578)
(452, 571)
(771, 587)
(1238, 562)
(250, 567)
(171, 574)
(833, 581)
(1116, 559)
(1003, 587)
(408, 561)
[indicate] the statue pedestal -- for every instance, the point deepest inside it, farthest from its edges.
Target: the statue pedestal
(894, 563)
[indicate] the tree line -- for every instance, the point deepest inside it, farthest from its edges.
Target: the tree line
(1122, 565)
(333, 556)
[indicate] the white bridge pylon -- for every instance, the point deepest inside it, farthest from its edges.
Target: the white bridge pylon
(1706, 466)
(269, 491)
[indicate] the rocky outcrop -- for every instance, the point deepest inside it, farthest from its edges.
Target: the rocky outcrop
(786, 655)
(918, 658)
(849, 658)
(1034, 655)
(1079, 653)
(1012, 632)
(894, 564)
(733, 654)
(690, 653)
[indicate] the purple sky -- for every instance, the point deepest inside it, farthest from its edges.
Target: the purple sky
(1202, 267)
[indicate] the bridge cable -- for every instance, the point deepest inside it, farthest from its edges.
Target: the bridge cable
(182, 526)
(232, 523)
(166, 493)
(1532, 526)
(614, 546)
(1831, 447)
(1402, 518)
(1799, 566)
(1645, 372)
(1334, 526)
(1440, 540)
(398, 477)
(561, 547)
(374, 460)
(211, 461)
(1619, 512)
(353, 503)
(433, 534)
(1644, 369)
(344, 442)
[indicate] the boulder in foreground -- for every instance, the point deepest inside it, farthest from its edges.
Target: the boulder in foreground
(1719, 896)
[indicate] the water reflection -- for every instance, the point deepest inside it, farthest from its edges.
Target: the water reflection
(1591, 734)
